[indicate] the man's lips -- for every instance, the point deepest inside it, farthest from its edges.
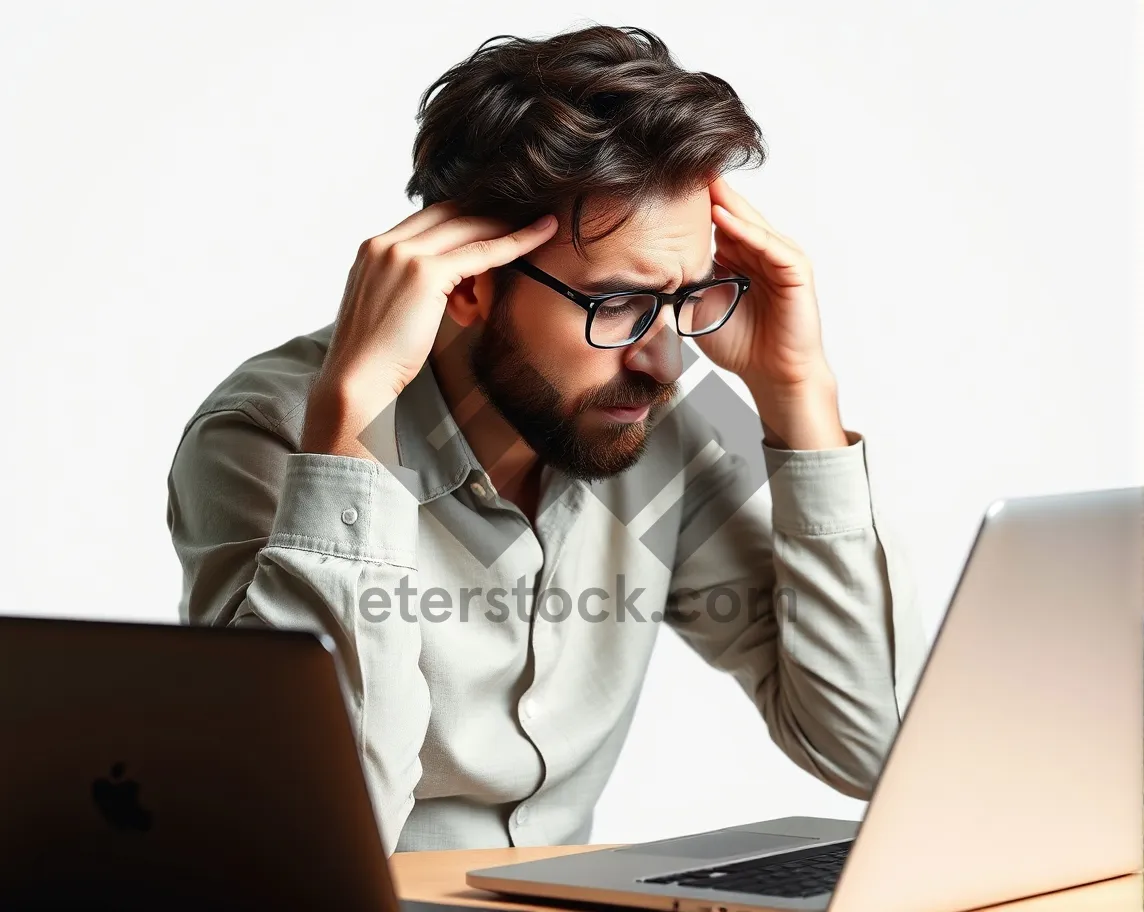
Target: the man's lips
(627, 412)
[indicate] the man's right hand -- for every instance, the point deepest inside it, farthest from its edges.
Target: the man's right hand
(391, 311)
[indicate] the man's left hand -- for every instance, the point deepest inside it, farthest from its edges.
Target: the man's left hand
(773, 341)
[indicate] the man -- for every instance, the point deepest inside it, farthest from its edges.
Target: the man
(484, 482)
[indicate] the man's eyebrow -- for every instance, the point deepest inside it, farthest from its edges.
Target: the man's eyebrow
(623, 282)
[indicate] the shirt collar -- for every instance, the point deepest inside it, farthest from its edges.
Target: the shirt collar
(429, 442)
(432, 446)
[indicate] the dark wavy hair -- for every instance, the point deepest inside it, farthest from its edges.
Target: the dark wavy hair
(529, 126)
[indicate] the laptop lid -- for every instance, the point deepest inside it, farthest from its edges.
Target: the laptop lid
(155, 766)
(1019, 766)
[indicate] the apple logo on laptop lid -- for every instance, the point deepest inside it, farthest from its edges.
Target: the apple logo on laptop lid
(117, 800)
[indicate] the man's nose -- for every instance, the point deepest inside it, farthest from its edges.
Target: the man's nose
(659, 351)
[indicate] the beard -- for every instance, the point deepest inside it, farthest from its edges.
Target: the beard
(552, 428)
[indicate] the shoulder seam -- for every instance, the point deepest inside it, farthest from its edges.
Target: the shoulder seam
(246, 405)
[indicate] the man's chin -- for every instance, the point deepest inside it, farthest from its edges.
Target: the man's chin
(606, 449)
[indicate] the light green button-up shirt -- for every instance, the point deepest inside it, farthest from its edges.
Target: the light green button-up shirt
(492, 667)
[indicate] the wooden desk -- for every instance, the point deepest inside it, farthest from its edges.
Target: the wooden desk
(440, 877)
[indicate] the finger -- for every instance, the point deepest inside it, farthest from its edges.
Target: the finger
(421, 221)
(481, 256)
(766, 251)
(724, 195)
(729, 252)
(734, 202)
(454, 233)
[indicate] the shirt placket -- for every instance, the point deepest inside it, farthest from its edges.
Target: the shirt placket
(537, 710)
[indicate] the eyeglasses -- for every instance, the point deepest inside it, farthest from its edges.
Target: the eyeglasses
(619, 318)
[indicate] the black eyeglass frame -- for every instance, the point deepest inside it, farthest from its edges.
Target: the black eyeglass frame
(674, 299)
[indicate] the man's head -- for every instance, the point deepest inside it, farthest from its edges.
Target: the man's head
(604, 129)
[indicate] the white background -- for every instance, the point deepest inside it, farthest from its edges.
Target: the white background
(184, 185)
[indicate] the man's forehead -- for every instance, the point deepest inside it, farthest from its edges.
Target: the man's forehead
(626, 267)
(643, 256)
(650, 277)
(657, 218)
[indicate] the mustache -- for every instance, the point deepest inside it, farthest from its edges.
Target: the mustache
(632, 392)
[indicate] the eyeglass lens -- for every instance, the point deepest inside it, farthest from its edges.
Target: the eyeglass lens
(624, 319)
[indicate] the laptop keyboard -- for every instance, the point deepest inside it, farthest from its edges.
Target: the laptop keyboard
(808, 872)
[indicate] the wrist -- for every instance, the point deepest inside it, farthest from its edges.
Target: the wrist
(801, 416)
(803, 432)
(818, 385)
(338, 412)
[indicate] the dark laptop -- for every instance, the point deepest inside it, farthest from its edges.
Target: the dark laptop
(148, 766)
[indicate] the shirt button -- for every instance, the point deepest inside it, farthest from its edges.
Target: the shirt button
(522, 814)
(477, 488)
(349, 516)
(528, 708)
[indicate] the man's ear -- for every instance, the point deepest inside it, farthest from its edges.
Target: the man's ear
(472, 299)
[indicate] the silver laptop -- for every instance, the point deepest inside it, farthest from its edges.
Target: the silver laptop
(1018, 768)
(161, 767)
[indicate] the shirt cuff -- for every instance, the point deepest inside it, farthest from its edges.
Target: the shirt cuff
(346, 507)
(820, 492)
